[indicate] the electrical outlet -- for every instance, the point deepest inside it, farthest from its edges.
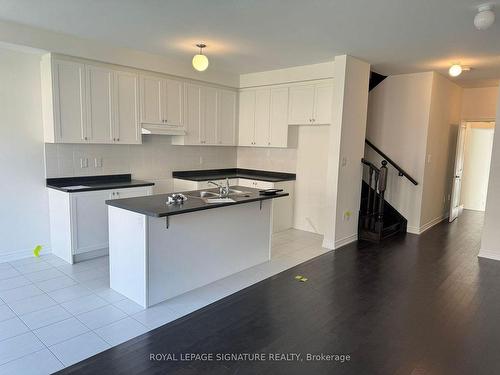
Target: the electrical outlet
(344, 162)
(84, 163)
(347, 215)
(429, 158)
(98, 162)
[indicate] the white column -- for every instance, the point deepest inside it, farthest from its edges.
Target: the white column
(490, 241)
(347, 143)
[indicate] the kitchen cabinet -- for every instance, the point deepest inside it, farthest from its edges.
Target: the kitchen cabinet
(311, 104)
(282, 207)
(126, 127)
(226, 123)
(210, 116)
(79, 221)
(263, 117)
(161, 101)
(86, 103)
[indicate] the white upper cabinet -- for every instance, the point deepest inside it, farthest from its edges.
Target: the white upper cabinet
(174, 102)
(161, 101)
(246, 136)
(262, 111)
(264, 117)
(301, 104)
(152, 100)
(126, 128)
(68, 98)
(226, 124)
(209, 116)
(86, 103)
(100, 119)
(278, 118)
(323, 97)
(310, 104)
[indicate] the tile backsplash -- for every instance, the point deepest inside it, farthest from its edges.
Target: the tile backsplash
(269, 159)
(153, 160)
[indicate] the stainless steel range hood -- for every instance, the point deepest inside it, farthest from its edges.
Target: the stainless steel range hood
(162, 129)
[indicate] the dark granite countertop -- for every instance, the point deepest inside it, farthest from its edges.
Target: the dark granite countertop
(156, 205)
(90, 183)
(218, 174)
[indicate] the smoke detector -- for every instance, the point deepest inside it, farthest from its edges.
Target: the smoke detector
(485, 17)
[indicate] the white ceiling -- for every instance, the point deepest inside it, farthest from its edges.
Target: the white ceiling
(395, 36)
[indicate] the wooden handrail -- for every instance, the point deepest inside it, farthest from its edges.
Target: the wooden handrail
(401, 171)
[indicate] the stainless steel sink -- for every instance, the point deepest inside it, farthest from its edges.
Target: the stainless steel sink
(202, 194)
(238, 192)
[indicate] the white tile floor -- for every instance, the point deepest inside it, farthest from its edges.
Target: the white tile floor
(53, 314)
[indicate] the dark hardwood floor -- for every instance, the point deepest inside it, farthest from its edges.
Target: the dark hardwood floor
(413, 305)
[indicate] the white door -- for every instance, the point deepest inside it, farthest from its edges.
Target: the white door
(301, 105)
(262, 112)
(173, 106)
(323, 96)
(152, 100)
(246, 134)
(127, 129)
(99, 104)
(278, 127)
(227, 117)
(193, 114)
(209, 115)
(455, 207)
(69, 102)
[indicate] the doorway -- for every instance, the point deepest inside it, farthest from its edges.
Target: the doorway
(472, 167)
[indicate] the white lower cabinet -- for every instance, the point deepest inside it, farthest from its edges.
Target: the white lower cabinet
(79, 221)
(282, 207)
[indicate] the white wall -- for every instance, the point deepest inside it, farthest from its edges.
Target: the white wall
(49, 41)
(398, 115)
(23, 197)
(346, 148)
(154, 160)
(490, 240)
(444, 119)
(479, 103)
(477, 161)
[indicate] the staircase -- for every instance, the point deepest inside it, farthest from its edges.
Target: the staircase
(378, 220)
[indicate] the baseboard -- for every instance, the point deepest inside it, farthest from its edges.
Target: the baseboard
(90, 255)
(346, 240)
(21, 254)
(426, 226)
(488, 254)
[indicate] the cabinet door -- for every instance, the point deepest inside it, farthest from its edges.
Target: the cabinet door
(89, 220)
(173, 106)
(209, 115)
(193, 114)
(246, 135)
(127, 128)
(301, 105)
(152, 100)
(278, 128)
(226, 123)
(99, 104)
(262, 112)
(323, 96)
(132, 192)
(69, 102)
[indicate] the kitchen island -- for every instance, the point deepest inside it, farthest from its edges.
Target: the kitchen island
(158, 250)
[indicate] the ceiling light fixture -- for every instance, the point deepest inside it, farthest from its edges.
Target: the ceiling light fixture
(484, 17)
(457, 69)
(200, 61)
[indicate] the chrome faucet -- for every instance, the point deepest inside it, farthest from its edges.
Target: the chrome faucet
(223, 190)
